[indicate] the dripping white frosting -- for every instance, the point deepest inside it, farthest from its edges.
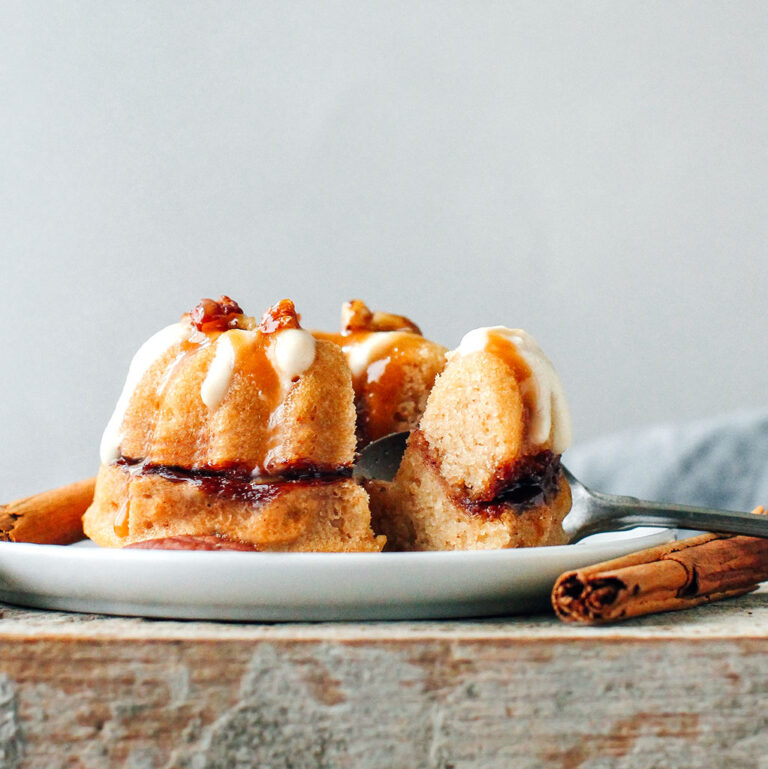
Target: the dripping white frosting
(551, 414)
(292, 353)
(219, 376)
(361, 354)
(147, 354)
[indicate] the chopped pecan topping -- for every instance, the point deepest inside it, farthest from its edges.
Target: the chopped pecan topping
(279, 316)
(355, 316)
(211, 315)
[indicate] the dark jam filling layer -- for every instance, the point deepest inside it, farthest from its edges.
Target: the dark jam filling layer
(536, 481)
(529, 482)
(528, 476)
(237, 483)
(534, 475)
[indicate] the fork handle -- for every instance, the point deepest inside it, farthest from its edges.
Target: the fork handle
(615, 513)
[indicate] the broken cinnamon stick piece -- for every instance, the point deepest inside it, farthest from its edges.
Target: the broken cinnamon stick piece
(51, 518)
(674, 576)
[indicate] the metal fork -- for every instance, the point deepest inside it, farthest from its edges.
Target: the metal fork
(592, 512)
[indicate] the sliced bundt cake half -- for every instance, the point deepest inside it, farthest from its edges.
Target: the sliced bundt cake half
(483, 468)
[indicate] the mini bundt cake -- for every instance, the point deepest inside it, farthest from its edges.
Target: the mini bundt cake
(483, 471)
(393, 369)
(233, 429)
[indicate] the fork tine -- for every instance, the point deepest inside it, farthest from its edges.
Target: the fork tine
(572, 480)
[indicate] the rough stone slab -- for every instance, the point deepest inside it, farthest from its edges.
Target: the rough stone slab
(688, 689)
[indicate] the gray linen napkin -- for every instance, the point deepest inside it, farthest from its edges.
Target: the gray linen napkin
(718, 462)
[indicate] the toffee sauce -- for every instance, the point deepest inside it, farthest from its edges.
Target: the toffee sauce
(507, 352)
(380, 387)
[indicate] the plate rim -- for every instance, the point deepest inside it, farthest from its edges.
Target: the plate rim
(294, 587)
(87, 549)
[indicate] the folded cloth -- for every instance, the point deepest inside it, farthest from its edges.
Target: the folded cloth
(719, 462)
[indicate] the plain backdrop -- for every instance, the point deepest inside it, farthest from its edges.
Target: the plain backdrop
(593, 172)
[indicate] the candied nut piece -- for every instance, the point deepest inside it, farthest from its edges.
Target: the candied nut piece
(355, 316)
(279, 316)
(210, 315)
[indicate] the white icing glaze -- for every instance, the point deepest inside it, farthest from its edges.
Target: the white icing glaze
(219, 376)
(361, 354)
(551, 414)
(292, 353)
(147, 354)
(376, 370)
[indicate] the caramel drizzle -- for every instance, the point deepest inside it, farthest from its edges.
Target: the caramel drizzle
(121, 519)
(252, 364)
(379, 387)
(506, 351)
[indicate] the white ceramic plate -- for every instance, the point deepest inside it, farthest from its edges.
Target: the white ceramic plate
(226, 585)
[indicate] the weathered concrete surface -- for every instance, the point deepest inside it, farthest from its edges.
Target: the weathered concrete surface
(677, 690)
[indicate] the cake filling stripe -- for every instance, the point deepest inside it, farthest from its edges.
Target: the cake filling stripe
(234, 483)
(296, 473)
(531, 481)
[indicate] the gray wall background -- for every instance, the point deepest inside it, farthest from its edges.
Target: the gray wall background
(593, 172)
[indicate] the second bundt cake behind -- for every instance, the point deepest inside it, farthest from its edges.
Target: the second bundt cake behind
(393, 369)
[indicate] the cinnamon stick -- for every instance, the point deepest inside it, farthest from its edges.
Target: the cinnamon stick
(51, 518)
(674, 576)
